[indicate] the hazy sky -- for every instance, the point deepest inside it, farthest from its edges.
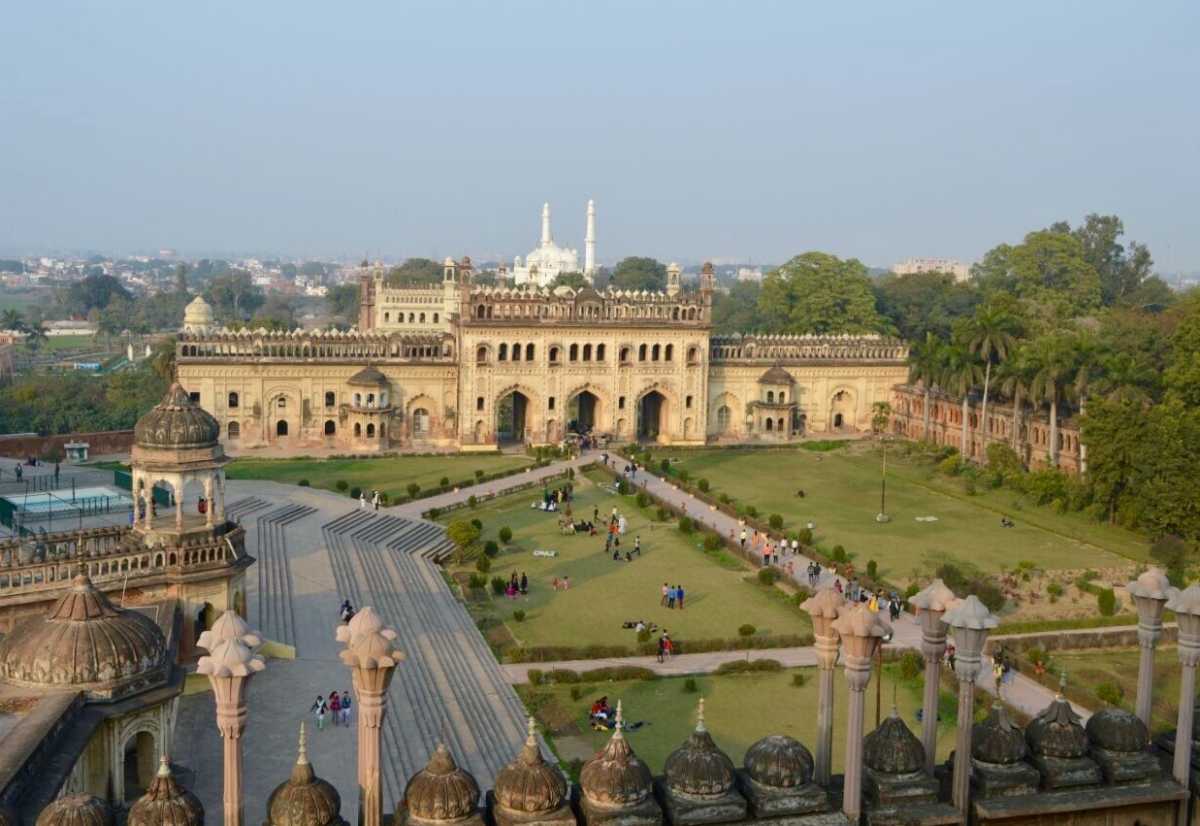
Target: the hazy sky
(703, 129)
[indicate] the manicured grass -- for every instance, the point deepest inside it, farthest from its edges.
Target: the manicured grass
(87, 344)
(739, 709)
(390, 475)
(721, 593)
(842, 498)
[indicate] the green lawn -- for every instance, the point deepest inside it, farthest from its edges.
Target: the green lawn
(739, 709)
(390, 475)
(721, 594)
(842, 497)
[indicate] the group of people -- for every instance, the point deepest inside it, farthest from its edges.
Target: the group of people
(517, 586)
(376, 500)
(346, 611)
(770, 549)
(665, 647)
(1005, 522)
(875, 600)
(672, 596)
(338, 705)
(814, 573)
(603, 717)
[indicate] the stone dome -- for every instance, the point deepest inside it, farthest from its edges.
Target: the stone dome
(441, 790)
(616, 777)
(176, 422)
(1056, 732)
(997, 739)
(698, 767)
(367, 377)
(76, 810)
(1116, 729)
(776, 375)
(166, 803)
(304, 799)
(529, 784)
(892, 748)
(779, 761)
(86, 644)
(197, 314)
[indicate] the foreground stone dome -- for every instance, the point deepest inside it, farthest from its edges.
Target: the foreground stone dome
(779, 761)
(87, 644)
(176, 423)
(529, 784)
(166, 803)
(1116, 729)
(997, 739)
(76, 810)
(1056, 732)
(892, 748)
(698, 767)
(616, 777)
(441, 790)
(304, 799)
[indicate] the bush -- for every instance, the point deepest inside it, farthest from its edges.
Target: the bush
(498, 585)
(768, 576)
(536, 676)
(445, 481)
(703, 485)
(304, 483)
(478, 474)
(1174, 555)
(1037, 656)
(477, 581)
(1111, 693)
(689, 686)
(434, 513)
(478, 524)
(662, 514)
(1054, 589)
(472, 501)
(724, 499)
(576, 692)
(1106, 601)
(805, 537)
(505, 534)
(747, 630)
(483, 564)
(911, 665)
(623, 487)
(490, 548)
(776, 522)
(838, 554)
(912, 590)
(413, 489)
(355, 492)
(950, 466)
(799, 679)
(341, 485)
(642, 499)
(712, 542)
(683, 474)
(749, 666)
(1003, 462)
(752, 511)
(685, 524)
(665, 467)
(643, 635)
(872, 569)
(519, 615)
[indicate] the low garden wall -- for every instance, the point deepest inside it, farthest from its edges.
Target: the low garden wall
(100, 443)
(1121, 636)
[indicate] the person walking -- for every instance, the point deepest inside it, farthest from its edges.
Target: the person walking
(743, 539)
(375, 500)
(524, 584)
(637, 544)
(662, 647)
(362, 501)
(679, 594)
(346, 703)
(665, 589)
(335, 707)
(319, 709)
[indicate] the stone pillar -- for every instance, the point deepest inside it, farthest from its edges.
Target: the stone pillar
(1186, 605)
(931, 605)
(220, 485)
(177, 486)
(1150, 593)
(230, 665)
(861, 631)
(971, 622)
(824, 607)
(372, 656)
(210, 505)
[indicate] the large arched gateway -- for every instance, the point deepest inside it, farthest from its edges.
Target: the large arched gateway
(652, 416)
(512, 412)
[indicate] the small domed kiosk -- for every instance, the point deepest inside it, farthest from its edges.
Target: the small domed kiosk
(1120, 744)
(304, 799)
(616, 786)
(998, 757)
(1059, 748)
(777, 779)
(529, 791)
(895, 775)
(166, 803)
(440, 794)
(699, 781)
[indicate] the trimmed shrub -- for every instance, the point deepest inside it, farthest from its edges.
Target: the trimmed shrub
(950, 466)
(685, 524)
(413, 489)
(355, 492)
(519, 615)
(683, 474)
(478, 474)
(478, 524)
(536, 676)
(445, 481)
(1106, 601)
(712, 542)
(665, 466)
(776, 522)
(703, 485)
(483, 564)
(689, 686)
(768, 576)
(304, 483)
(472, 501)
(477, 581)
(747, 630)
(643, 635)
(911, 665)
(341, 484)
(434, 513)
(752, 511)
(749, 666)
(662, 514)
(623, 487)
(799, 679)
(1054, 589)
(505, 534)
(838, 554)
(576, 692)
(805, 537)
(490, 548)
(1111, 693)
(724, 499)
(872, 569)
(498, 585)
(642, 499)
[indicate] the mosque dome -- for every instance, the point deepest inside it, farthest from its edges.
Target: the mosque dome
(1116, 729)
(616, 777)
(529, 784)
(892, 748)
(76, 810)
(698, 767)
(176, 423)
(86, 644)
(1056, 732)
(779, 761)
(441, 790)
(367, 377)
(997, 739)
(304, 799)
(166, 803)
(198, 315)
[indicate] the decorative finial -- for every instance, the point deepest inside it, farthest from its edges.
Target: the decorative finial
(1062, 683)
(164, 766)
(620, 724)
(700, 716)
(531, 740)
(302, 757)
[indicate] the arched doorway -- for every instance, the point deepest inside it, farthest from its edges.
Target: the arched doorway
(330, 427)
(652, 410)
(511, 417)
(841, 409)
(281, 428)
(724, 417)
(581, 412)
(141, 762)
(420, 423)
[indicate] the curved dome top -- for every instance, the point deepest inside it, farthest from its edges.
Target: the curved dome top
(1116, 729)
(997, 739)
(177, 422)
(441, 790)
(779, 761)
(304, 799)
(166, 803)
(529, 784)
(776, 375)
(87, 644)
(197, 314)
(616, 777)
(1056, 732)
(698, 767)
(367, 377)
(892, 748)
(76, 810)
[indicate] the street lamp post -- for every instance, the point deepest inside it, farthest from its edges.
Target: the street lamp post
(970, 620)
(1150, 593)
(1186, 605)
(824, 607)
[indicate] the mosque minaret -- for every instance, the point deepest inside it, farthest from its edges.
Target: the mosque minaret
(589, 242)
(544, 264)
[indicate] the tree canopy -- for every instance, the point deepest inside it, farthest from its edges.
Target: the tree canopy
(414, 272)
(636, 273)
(233, 296)
(819, 293)
(925, 302)
(93, 292)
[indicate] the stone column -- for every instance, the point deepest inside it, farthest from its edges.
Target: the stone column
(1150, 593)
(372, 656)
(824, 607)
(230, 665)
(861, 631)
(177, 486)
(1186, 605)
(220, 485)
(210, 506)
(931, 604)
(971, 621)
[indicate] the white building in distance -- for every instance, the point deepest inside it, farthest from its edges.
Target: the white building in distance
(544, 264)
(912, 266)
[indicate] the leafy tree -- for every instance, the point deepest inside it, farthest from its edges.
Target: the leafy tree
(1014, 377)
(881, 414)
(162, 359)
(342, 301)
(35, 336)
(181, 284)
(636, 273)
(924, 302)
(12, 319)
(94, 291)
(277, 313)
(737, 311)
(415, 272)
(1051, 267)
(1175, 556)
(925, 368)
(1182, 375)
(960, 373)
(991, 333)
(1122, 270)
(574, 280)
(464, 535)
(1113, 429)
(233, 295)
(819, 293)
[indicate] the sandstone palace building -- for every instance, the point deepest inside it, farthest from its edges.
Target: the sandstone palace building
(464, 366)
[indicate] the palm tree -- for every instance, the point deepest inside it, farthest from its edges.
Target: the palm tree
(960, 373)
(991, 335)
(924, 367)
(1015, 376)
(11, 319)
(35, 335)
(1053, 363)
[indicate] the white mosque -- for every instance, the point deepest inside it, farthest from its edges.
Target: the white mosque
(544, 264)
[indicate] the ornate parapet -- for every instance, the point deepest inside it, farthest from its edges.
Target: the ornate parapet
(803, 349)
(314, 346)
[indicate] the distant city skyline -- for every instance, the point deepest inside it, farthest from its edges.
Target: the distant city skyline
(742, 132)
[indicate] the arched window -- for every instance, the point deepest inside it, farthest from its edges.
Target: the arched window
(599, 352)
(669, 355)
(693, 356)
(502, 353)
(420, 421)
(387, 316)
(624, 354)
(770, 397)
(587, 352)
(770, 423)
(422, 318)
(479, 311)
(574, 351)
(481, 353)
(330, 398)
(235, 431)
(782, 397)
(233, 399)
(330, 427)
(654, 353)
(779, 425)
(370, 431)
(723, 419)
(412, 317)
(675, 314)
(554, 355)
(529, 352)
(282, 403)
(642, 352)
(435, 318)
(358, 399)
(370, 400)
(357, 430)
(516, 351)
